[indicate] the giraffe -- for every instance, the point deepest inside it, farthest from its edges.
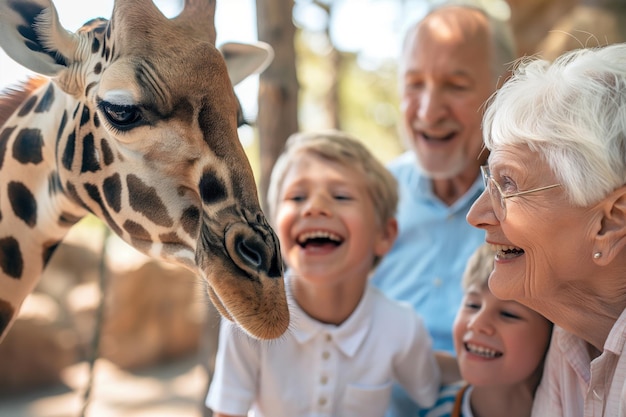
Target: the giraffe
(134, 119)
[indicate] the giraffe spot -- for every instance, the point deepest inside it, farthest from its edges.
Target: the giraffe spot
(97, 69)
(89, 87)
(139, 236)
(27, 106)
(6, 314)
(96, 120)
(4, 138)
(145, 200)
(94, 194)
(23, 203)
(68, 152)
(85, 116)
(95, 45)
(46, 100)
(171, 238)
(76, 111)
(107, 153)
(136, 230)
(190, 220)
(90, 155)
(28, 145)
(112, 189)
(60, 131)
(73, 194)
(11, 260)
(212, 188)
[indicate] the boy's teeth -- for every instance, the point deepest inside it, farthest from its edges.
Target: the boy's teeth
(318, 234)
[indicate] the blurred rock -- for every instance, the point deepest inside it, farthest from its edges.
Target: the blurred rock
(153, 313)
(38, 347)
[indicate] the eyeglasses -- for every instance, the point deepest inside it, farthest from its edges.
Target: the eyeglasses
(498, 198)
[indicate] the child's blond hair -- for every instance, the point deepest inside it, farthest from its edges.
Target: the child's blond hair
(479, 267)
(347, 151)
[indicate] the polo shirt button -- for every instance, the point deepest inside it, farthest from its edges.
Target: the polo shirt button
(325, 355)
(329, 338)
(322, 401)
(324, 380)
(437, 282)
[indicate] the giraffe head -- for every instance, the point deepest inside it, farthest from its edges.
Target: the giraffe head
(143, 120)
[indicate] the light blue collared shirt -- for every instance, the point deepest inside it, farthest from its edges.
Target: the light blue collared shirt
(427, 261)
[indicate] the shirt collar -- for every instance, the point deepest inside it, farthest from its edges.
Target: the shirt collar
(348, 336)
(617, 336)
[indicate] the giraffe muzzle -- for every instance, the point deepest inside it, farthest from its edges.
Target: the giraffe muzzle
(249, 289)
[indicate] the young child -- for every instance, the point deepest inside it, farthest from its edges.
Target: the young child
(500, 347)
(333, 205)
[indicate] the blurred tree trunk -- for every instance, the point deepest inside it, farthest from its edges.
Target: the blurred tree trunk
(332, 104)
(278, 85)
(277, 119)
(332, 98)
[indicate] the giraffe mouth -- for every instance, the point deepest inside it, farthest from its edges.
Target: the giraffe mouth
(246, 286)
(215, 299)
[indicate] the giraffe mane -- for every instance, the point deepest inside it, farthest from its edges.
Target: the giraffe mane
(12, 97)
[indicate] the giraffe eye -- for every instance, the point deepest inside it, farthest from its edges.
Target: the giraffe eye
(121, 117)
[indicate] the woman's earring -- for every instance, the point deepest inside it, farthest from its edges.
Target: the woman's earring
(597, 255)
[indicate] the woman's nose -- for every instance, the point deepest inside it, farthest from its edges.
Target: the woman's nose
(481, 213)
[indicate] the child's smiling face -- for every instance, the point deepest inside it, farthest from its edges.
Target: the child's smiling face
(326, 221)
(499, 342)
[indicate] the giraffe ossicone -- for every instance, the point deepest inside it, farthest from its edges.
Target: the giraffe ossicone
(134, 119)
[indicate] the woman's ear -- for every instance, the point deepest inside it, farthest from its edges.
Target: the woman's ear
(388, 235)
(611, 238)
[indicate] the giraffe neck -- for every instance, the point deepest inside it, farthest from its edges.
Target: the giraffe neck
(35, 213)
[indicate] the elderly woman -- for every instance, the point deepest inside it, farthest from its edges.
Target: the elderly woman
(554, 209)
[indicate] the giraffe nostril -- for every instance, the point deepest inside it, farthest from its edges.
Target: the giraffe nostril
(254, 248)
(250, 250)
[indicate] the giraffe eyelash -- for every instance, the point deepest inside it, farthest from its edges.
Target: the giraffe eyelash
(120, 118)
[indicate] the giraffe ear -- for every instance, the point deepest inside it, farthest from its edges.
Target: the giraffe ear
(243, 59)
(31, 34)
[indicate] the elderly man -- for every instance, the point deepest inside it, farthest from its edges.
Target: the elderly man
(451, 63)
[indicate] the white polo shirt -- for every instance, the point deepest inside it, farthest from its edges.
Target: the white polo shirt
(317, 369)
